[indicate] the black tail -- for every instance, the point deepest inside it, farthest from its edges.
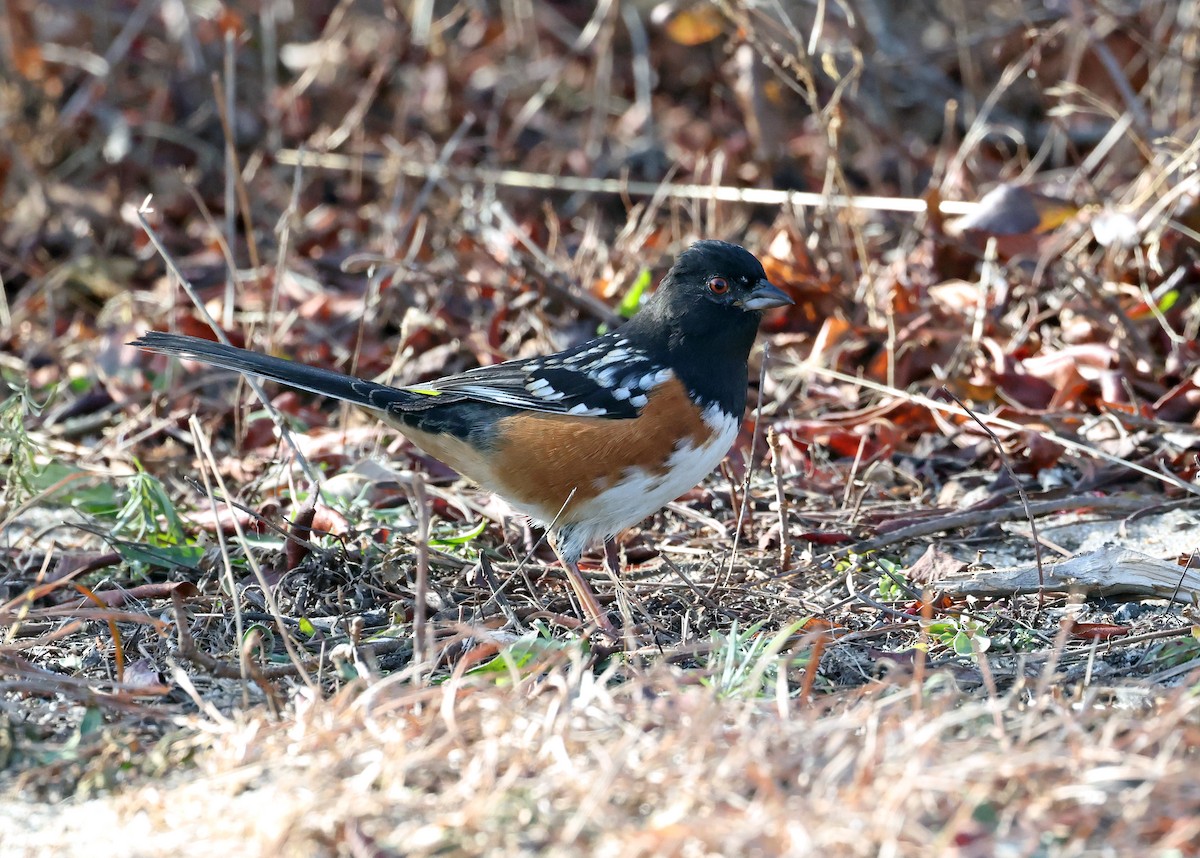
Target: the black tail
(368, 394)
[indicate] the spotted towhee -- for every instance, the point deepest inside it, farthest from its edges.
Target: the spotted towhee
(590, 440)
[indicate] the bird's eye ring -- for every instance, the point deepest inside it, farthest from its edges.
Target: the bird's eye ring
(718, 285)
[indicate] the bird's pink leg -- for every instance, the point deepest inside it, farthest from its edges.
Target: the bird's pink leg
(587, 598)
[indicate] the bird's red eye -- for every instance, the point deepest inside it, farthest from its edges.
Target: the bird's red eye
(718, 285)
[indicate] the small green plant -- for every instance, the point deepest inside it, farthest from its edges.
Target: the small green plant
(147, 529)
(532, 653)
(632, 299)
(1019, 639)
(747, 662)
(1175, 652)
(458, 543)
(148, 514)
(18, 452)
(27, 472)
(962, 633)
(893, 585)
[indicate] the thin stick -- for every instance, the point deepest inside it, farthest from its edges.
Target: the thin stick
(236, 186)
(743, 508)
(270, 72)
(1012, 475)
(371, 296)
(204, 452)
(187, 287)
(225, 108)
(420, 632)
(283, 230)
(579, 297)
(506, 608)
(83, 97)
(621, 187)
(993, 515)
(785, 544)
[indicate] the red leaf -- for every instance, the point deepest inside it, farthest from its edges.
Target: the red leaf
(1098, 631)
(827, 538)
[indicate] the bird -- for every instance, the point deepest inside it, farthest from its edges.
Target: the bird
(587, 441)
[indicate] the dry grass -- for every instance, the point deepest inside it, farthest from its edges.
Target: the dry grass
(568, 762)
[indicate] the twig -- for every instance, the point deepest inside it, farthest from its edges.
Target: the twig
(587, 185)
(188, 651)
(420, 635)
(288, 534)
(116, 52)
(785, 544)
(204, 451)
(705, 597)
(1133, 104)
(372, 293)
(1012, 475)
(431, 180)
(744, 506)
(254, 384)
(1183, 574)
(225, 108)
(975, 517)
(270, 72)
(501, 600)
(580, 298)
(236, 186)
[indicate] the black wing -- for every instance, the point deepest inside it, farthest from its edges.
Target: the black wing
(604, 377)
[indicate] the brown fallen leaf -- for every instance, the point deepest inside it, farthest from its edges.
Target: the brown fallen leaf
(1018, 221)
(934, 565)
(158, 590)
(1098, 631)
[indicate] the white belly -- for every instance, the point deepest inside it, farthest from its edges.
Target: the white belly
(639, 494)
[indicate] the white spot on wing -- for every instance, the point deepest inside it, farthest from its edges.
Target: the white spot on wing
(606, 377)
(614, 356)
(661, 377)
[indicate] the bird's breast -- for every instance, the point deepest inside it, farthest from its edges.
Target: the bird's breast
(614, 472)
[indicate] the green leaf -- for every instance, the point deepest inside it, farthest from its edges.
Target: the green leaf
(86, 492)
(258, 640)
(633, 297)
(519, 657)
(962, 644)
(461, 538)
(941, 629)
(93, 720)
(164, 556)
(887, 564)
